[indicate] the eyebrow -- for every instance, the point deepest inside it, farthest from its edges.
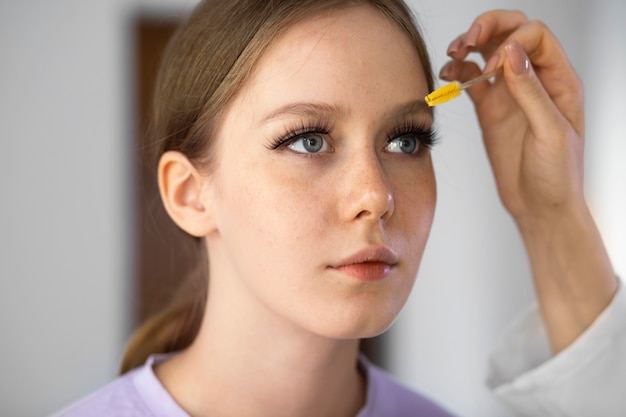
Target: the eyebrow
(322, 110)
(312, 109)
(413, 107)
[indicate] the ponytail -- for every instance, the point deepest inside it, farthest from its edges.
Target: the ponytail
(174, 328)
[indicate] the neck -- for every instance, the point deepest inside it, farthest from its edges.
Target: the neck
(246, 362)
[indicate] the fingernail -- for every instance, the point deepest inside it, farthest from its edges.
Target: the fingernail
(473, 34)
(492, 63)
(454, 46)
(518, 58)
(445, 72)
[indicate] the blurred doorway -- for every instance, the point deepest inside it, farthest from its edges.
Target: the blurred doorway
(161, 262)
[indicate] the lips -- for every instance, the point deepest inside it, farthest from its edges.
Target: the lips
(371, 264)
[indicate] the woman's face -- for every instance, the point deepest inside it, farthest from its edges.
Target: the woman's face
(323, 191)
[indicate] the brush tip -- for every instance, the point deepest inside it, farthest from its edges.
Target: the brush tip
(443, 94)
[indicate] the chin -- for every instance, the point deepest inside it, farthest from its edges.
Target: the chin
(359, 332)
(356, 323)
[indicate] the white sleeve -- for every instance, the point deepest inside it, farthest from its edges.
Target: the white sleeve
(588, 378)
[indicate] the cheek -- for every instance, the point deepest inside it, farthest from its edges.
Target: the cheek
(415, 199)
(423, 204)
(409, 228)
(280, 226)
(263, 206)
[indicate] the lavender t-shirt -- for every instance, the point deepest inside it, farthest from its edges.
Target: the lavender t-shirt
(139, 393)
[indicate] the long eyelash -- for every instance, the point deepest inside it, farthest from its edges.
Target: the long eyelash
(427, 136)
(295, 132)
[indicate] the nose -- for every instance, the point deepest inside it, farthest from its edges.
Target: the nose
(365, 191)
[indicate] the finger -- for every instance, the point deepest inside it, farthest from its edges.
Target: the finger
(538, 42)
(496, 26)
(459, 71)
(547, 55)
(464, 71)
(527, 90)
(486, 33)
(551, 66)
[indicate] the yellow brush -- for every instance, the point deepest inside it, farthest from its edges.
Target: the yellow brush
(453, 90)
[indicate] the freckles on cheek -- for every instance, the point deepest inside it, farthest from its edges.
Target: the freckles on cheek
(302, 211)
(282, 206)
(417, 210)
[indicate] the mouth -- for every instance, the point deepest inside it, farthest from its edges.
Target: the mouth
(372, 264)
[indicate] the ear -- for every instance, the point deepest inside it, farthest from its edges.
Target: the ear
(183, 191)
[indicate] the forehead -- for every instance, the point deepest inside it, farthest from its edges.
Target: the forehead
(348, 50)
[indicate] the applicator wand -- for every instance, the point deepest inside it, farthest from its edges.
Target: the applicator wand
(453, 90)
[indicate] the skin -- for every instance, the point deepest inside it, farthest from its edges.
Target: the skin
(280, 325)
(278, 223)
(533, 129)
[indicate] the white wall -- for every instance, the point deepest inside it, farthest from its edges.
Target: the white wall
(65, 242)
(65, 186)
(603, 72)
(474, 278)
(63, 178)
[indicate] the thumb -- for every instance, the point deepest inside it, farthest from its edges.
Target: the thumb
(527, 90)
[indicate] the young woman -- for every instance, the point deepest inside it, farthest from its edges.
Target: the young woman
(294, 147)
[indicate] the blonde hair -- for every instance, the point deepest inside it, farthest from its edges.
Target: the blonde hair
(206, 63)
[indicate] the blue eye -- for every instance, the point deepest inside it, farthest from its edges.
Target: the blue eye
(404, 144)
(309, 144)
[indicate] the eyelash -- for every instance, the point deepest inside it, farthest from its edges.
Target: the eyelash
(294, 133)
(427, 136)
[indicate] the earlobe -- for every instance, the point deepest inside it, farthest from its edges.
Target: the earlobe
(182, 190)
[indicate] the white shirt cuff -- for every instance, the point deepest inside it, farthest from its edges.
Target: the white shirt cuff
(587, 378)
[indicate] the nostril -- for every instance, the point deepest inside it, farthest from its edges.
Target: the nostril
(368, 194)
(376, 206)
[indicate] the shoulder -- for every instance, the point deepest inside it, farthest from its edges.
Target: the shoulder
(137, 393)
(119, 398)
(387, 397)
